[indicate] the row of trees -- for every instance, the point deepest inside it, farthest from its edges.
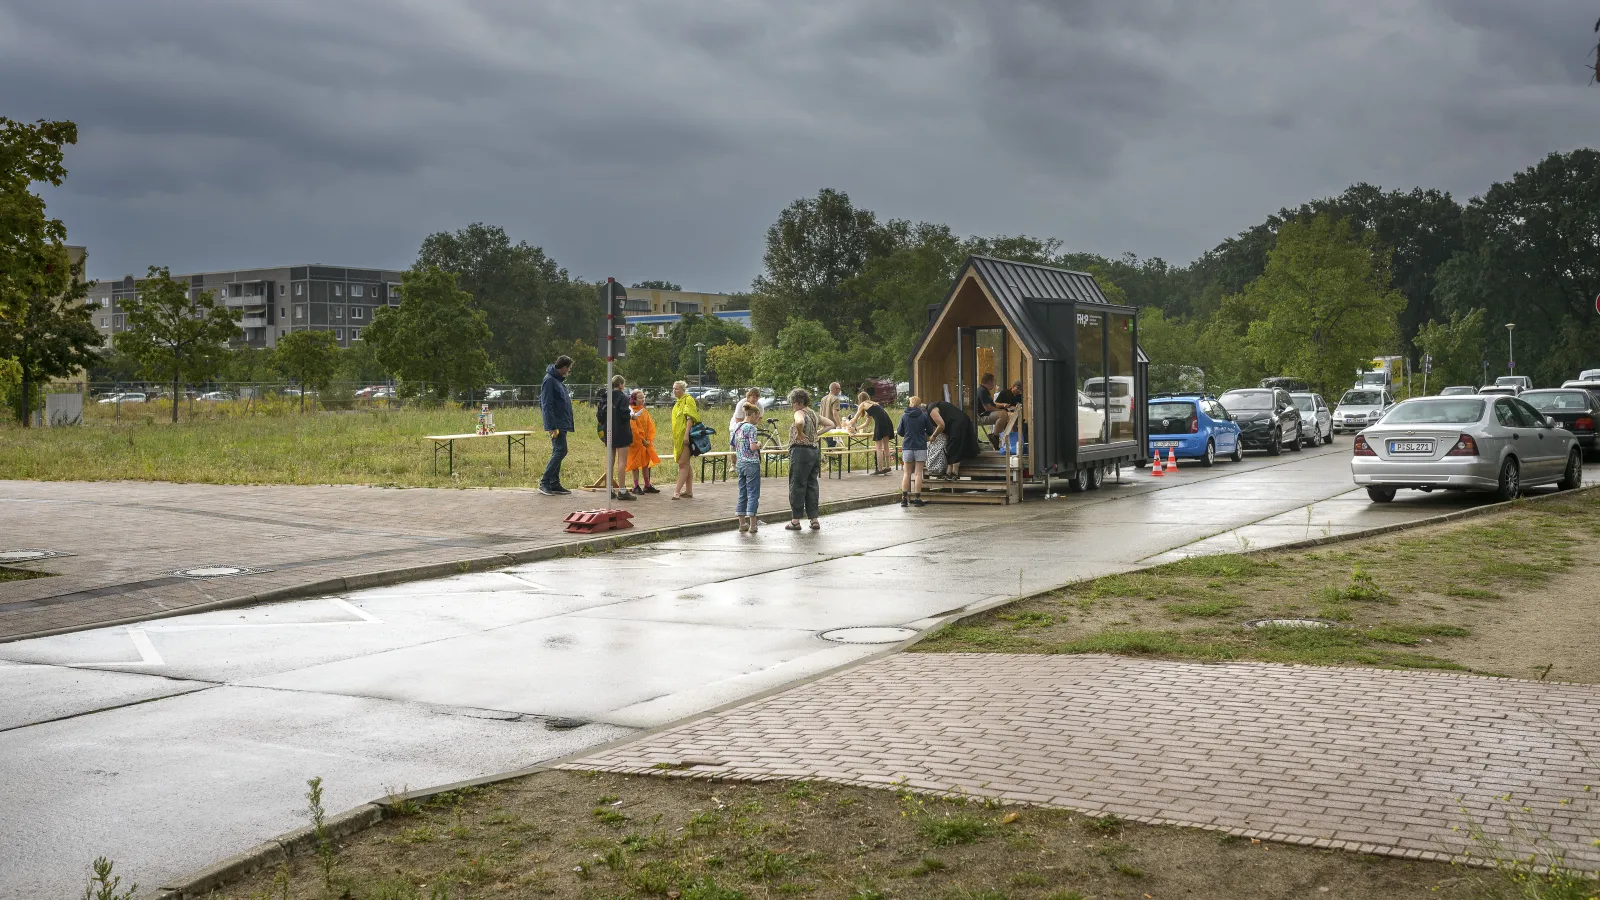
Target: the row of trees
(1313, 291)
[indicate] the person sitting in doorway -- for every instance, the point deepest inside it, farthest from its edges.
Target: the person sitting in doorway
(990, 413)
(1010, 403)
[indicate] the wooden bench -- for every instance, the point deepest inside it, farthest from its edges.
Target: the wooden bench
(720, 458)
(447, 442)
(776, 457)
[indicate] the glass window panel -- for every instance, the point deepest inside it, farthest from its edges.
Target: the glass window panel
(1120, 366)
(1092, 379)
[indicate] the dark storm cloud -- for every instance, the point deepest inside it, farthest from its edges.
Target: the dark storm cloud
(659, 139)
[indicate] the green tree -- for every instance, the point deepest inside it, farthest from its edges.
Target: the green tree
(360, 364)
(1456, 347)
(53, 336)
(308, 357)
(248, 365)
(900, 286)
(804, 356)
(1533, 259)
(697, 329)
(173, 336)
(533, 308)
(587, 365)
(734, 364)
(435, 339)
(1324, 305)
(30, 241)
(650, 361)
(813, 250)
(657, 286)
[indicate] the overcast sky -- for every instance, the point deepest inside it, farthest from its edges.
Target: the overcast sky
(659, 139)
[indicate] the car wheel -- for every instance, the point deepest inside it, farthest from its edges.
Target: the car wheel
(1299, 439)
(1328, 438)
(1275, 444)
(1510, 481)
(1238, 452)
(1210, 456)
(1380, 494)
(1572, 479)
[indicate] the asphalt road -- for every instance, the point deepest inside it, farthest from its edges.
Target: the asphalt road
(171, 744)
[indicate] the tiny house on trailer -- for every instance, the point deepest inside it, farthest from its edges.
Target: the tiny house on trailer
(1085, 380)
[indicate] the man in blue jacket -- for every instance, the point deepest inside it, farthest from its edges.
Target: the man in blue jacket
(556, 406)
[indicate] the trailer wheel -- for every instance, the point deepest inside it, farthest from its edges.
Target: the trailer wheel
(1093, 479)
(1077, 484)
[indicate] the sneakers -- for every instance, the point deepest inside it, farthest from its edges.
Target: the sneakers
(546, 491)
(904, 501)
(917, 502)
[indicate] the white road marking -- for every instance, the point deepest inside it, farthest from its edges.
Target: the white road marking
(147, 650)
(354, 610)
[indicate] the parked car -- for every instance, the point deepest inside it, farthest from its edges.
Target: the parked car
(1267, 417)
(1592, 386)
(1458, 390)
(1483, 443)
(1359, 408)
(216, 397)
(494, 394)
(1519, 382)
(712, 396)
(1589, 375)
(1292, 385)
(1091, 421)
(1192, 427)
(1575, 410)
(1499, 390)
(368, 391)
(124, 397)
(1314, 412)
(1121, 397)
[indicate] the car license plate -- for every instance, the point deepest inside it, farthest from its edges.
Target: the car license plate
(1166, 443)
(1411, 446)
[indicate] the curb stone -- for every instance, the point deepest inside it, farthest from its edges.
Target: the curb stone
(194, 885)
(385, 577)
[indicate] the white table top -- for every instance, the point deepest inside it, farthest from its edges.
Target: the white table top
(459, 437)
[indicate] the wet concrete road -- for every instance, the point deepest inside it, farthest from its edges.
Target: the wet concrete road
(171, 744)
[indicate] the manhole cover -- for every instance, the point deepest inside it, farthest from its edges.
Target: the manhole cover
(868, 635)
(14, 556)
(1290, 623)
(213, 571)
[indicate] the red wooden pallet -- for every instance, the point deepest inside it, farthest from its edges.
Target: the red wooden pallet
(592, 521)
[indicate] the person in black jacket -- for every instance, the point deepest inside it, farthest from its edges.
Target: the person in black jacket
(555, 406)
(621, 433)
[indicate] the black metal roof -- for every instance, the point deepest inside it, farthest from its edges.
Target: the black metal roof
(1014, 284)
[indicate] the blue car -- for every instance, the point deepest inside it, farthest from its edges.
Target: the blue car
(1193, 426)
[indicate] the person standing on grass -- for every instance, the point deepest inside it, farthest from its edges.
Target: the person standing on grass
(805, 460)
(747, 452)
(555, 407)
(642, 452)
(829, 407)
(616, 407)
(685, 414)
(915, 428)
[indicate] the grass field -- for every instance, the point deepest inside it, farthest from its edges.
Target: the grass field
(575, 835)
(1512, 593)
(271, 442)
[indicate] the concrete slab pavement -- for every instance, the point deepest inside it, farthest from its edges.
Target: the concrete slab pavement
(630, 639)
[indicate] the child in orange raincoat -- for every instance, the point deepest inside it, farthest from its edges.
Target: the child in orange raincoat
(642, 453)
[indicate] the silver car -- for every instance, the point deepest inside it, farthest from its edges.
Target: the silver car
(1317, 417)
(1482, 443)
(1360, 407)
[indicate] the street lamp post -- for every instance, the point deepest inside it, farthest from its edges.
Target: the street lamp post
(700, 354)
(1511, 349)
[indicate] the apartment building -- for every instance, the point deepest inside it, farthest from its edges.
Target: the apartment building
(272, 301)
(653, 311)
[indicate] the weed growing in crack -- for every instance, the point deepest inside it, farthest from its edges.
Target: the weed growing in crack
(327, 857)
(103, 884)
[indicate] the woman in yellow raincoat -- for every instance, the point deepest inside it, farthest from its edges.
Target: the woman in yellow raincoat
(685, 413)
(642, 452)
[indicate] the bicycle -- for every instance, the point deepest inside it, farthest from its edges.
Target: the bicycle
(767, 435)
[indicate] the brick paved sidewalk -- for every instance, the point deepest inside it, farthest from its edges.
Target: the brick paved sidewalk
(1361, 759)
(127, 538)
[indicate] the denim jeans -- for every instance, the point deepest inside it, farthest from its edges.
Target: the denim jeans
(749, 488)
(558, 452)
(805, 481)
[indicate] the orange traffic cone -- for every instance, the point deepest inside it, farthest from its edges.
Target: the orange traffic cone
(1155, 467)
(1172, 463)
